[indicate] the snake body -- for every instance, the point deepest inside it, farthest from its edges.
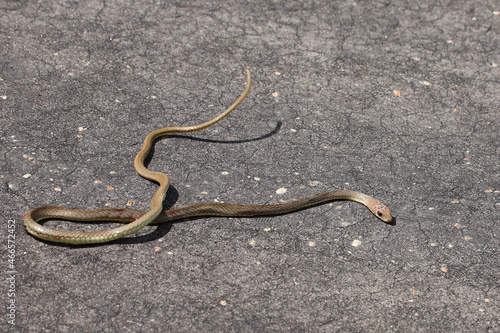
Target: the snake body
(135, 220)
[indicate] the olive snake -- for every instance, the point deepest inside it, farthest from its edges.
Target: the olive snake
(135, 220)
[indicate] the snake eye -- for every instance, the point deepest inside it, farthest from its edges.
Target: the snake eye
(379, 213)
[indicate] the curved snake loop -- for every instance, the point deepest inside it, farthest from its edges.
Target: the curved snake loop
(136, 220)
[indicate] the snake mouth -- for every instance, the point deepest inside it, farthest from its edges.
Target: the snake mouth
(392, 222)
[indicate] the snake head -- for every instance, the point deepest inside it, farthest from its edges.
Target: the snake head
(380, 210)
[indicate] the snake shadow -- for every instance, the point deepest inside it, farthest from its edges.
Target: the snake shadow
(172, 195)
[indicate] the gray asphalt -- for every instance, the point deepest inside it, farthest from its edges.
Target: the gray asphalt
(399, 100)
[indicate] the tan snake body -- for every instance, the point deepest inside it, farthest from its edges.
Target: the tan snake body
(136, 220)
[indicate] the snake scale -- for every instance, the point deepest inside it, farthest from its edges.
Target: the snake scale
(135, 220)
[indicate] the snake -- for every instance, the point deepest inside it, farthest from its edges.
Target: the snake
(134, 220)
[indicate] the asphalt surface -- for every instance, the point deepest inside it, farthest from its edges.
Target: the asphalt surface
(396, 99)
